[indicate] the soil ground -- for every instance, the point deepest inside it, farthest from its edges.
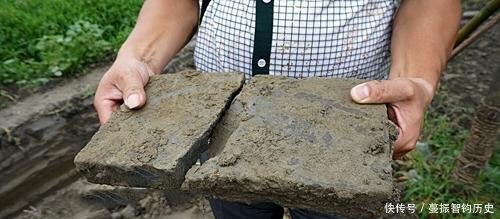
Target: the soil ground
(468, 76)
(78, 200)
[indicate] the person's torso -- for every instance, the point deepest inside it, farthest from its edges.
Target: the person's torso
(324, 38)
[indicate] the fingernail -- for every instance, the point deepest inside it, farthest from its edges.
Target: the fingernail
(360, 92)
(132, 101)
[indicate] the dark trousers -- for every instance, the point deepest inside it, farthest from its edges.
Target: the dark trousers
(264, 210)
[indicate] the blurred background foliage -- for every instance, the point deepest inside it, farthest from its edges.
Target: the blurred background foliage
(53, 38)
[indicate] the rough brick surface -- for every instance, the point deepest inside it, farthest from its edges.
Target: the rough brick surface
(300, 143)
(156, 145)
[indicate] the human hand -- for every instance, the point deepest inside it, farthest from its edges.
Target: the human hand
(406, 99)
(123, 82)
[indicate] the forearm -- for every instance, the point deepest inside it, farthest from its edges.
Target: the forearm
(162, 29)
(423, 36)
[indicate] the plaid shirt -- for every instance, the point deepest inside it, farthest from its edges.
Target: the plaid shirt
(297, 38)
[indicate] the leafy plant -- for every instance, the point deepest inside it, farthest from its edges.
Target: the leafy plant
(53, 38)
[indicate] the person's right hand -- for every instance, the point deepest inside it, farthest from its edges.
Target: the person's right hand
(123, 83)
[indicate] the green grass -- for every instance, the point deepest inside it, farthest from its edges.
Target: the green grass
(429, 168)
(53, 38)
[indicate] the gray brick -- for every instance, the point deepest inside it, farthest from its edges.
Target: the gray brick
(156, 145)
(303, 144)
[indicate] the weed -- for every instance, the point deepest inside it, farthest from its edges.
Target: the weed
(429, 168)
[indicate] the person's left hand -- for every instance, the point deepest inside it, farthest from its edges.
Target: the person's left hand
(406, 99)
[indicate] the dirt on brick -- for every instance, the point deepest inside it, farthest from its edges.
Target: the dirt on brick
(155, 146)
(300, 143)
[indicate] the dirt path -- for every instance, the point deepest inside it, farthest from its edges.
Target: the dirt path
(468, 77)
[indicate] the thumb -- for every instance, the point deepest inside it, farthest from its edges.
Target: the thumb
(386, 91)
(132, 86)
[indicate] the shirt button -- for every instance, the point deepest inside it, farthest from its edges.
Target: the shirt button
(266, 1)
(261, 63)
